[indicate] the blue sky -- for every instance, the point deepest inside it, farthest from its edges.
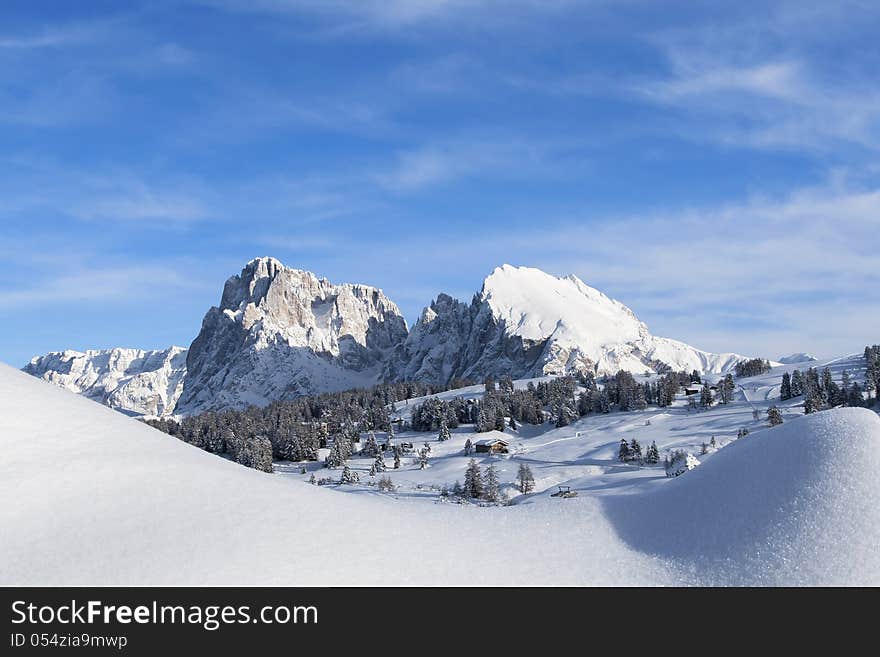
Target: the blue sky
(715, 166)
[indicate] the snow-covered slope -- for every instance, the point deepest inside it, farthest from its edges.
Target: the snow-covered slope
(130, 380)
(527, 323)
(98, 498)
(280, 333)
(92, 497)
(796, 504)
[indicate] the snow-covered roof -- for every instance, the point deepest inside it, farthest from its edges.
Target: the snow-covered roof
(491, 441)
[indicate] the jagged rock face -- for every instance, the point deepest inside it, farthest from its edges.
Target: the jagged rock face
(280, 333)
(526, 323)
(133, 381)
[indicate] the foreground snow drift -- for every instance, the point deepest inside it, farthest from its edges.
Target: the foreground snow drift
(796, 504)
(93, 497)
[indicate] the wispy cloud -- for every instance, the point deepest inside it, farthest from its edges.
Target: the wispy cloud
(51, 190)
(54, 36)
(773, 82)
(456, 159)
(112, 284)
(391, 14)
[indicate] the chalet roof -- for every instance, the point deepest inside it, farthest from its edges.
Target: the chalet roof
(491, 441)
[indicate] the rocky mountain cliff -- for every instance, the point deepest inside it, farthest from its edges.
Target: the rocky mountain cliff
(130, 380)
(281, 333)
(527, 323)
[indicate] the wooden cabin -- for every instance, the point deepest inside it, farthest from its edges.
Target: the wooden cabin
(491, 446)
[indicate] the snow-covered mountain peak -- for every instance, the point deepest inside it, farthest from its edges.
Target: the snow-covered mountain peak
(535, 305)
(526, 322)
(797, 358)
(130, 380)
(281, 332)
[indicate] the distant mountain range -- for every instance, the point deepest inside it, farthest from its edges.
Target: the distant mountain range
(280, 333)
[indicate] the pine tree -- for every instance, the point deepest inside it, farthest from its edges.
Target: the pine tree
(525, 479)
(379, 463)
(348, 477)
(635, 451)
(423, 458)
(797, 383)
(785, 389)
(774, 417)
(473, 481)
(706, 398)
(444, 431)
(499, 419)
(652, 457)
(491, 485)
(726, 388)
(623, 454)
(468, 447)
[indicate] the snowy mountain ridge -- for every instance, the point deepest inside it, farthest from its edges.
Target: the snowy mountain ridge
(280, 333)
(130, 380)
(527, 323)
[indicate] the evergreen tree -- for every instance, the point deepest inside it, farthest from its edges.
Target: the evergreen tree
(491, 485)
(774, 417)
(854, 397)
(706, 398)
(473, 481)
(797, 383)
(785, 392)
(652, 456)
(726, 388)
(468, 447)
(499, 418)
(635, 451)
(444, 431)
(525, 479)
(379, 463)
(348, 476)
(371, 447)
(423, 458)
(623, 454)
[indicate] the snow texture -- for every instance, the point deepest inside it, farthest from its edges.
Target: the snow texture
(98, 498)
(129, 380)
(527, 323)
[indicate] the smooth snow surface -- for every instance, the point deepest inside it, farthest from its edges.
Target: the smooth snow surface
(796, 504)
(93, 497)
(585, 327)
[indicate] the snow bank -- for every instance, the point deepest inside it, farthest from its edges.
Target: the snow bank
(792, 505)
(92, 497)
(95, 498)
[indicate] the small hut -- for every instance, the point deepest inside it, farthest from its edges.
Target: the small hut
(492, 446)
